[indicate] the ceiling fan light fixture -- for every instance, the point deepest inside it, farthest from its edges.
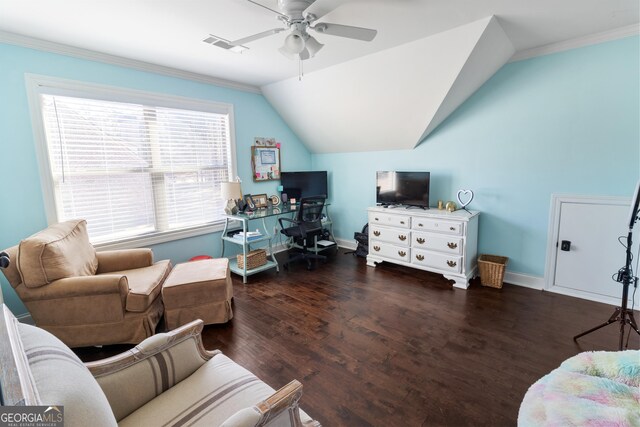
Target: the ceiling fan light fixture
(294, 43)
(305, 54)
(313, 46)
(291, 56)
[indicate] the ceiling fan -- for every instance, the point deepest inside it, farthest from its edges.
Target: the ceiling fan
(299, 16)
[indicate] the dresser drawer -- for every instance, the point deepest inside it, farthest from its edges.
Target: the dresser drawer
(391, 220)
(437, 242)
(390, 235)
(435, 260)
(437, 225)
(387, 250)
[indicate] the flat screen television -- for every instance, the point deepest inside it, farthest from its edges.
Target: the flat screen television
(402, 188)
(304, 184)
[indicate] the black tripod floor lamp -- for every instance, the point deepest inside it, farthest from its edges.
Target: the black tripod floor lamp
(623, 315)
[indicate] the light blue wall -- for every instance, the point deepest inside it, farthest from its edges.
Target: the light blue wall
(561, 123)
(22, 211)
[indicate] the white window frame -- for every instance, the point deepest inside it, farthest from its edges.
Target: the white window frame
(38, 85)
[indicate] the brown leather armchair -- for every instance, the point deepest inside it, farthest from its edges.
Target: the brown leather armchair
(86, 297)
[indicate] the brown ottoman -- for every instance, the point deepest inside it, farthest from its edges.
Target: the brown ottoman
(198, 290)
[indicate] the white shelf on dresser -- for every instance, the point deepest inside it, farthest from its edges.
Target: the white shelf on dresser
(432, 240)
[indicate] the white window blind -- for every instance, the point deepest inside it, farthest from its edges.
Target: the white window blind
(133, 169)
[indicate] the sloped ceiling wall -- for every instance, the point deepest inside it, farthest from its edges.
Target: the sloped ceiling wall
(391, 99)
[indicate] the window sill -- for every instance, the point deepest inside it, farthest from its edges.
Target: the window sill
(156, 238)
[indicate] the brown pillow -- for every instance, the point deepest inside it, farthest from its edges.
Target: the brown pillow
(62, 250)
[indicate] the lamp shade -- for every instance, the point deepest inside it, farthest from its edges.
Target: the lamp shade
(230, 190)
(283, 51)
(294, 43)
(313, 46)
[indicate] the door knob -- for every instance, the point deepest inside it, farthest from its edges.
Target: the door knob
(565, 245)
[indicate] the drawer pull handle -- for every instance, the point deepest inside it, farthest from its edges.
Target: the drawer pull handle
(452, 245)
(402, 238)
(420, 225)
(402, 222)
(420, 257)
(376, 233)
(452, 228)
(376, 248)
(452, 263)
(402, 253)
(420, 240)
(376, 219)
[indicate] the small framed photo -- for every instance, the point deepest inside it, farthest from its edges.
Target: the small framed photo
(275, 200)
(251, 204)
(268, 157)
(260, 200)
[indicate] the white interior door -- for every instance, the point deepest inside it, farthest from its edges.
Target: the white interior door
(592, 227)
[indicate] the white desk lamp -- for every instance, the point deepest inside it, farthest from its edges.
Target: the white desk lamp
(231, 192)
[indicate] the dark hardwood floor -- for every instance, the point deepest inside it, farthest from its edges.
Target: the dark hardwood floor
(393, 346)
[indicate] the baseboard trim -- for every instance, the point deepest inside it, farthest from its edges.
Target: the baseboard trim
(588, 296)
(347, 244)
(524, 280)
(26, 318)
(518, 279)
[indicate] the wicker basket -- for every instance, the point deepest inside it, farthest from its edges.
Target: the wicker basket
(254, 259)
(492, 269)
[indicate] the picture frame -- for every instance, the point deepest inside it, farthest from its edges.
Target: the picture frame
(249, 201)
(260, 200)
(264, 142)
(265, 163)
(275, 200)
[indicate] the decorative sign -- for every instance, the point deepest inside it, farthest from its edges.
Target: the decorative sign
(265, 163)
(464, 198)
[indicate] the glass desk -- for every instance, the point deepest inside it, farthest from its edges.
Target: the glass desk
(267, 237)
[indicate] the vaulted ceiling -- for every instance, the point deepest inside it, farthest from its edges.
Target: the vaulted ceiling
(394, 98)
(428, 56)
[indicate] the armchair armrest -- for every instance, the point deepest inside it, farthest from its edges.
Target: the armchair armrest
(182, 346)
(79, 286)
(77, 300)
(125, 259)
(282, 403)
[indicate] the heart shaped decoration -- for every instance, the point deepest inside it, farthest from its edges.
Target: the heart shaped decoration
(467, 195)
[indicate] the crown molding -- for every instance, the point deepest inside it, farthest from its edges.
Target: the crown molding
(77, 52)
(618, 33)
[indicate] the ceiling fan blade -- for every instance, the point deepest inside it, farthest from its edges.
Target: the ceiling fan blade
(268, 8)
(256, 36)
(319, 8)
(224, 44)
(358, 33)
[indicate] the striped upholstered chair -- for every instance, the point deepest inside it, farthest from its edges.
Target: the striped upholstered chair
(168, 379)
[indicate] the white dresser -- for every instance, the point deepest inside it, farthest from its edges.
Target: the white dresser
(432, 240)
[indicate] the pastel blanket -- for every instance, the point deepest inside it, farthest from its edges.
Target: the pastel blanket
(591, 389)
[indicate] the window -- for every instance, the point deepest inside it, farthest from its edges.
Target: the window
(149, 166)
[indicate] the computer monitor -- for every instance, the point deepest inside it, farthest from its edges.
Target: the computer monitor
(304, 184)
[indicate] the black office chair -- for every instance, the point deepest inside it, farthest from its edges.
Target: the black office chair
(305, 228)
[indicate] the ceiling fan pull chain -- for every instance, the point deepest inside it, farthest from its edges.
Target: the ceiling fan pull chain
(300, 70)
